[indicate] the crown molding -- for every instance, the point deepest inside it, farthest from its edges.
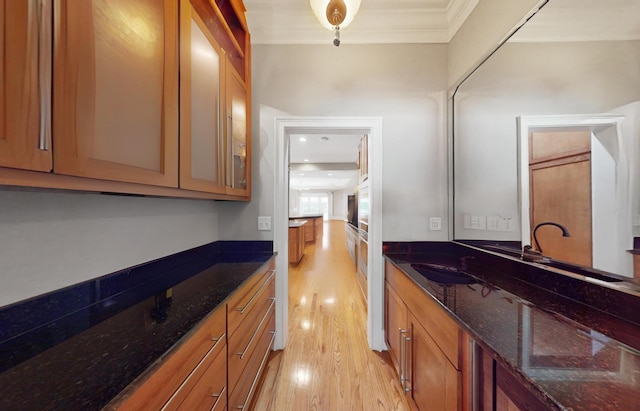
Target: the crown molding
(400, 21)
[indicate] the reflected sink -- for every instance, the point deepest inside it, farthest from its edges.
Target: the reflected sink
(592, 273)
(443, 274)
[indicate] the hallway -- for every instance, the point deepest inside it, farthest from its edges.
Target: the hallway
(327, 364)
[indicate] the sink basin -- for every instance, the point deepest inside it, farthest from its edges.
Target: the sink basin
(443, 274)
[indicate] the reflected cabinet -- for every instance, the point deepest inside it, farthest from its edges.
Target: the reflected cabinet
(130, 96)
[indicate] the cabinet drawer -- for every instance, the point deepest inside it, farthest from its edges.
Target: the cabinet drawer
(248, 335)
(210, 392)
(442, 328)
(240, 394)
(246, 297)
(183, 367)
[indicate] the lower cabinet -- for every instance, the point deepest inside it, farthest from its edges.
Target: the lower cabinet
(363, 256)
(427, 347)
(218, 367)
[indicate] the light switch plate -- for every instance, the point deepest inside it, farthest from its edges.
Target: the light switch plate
(264, 223)
(435, 223)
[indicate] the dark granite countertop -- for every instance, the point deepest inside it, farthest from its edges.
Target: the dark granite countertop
(570, 355)
(77, 348)
(293, 217)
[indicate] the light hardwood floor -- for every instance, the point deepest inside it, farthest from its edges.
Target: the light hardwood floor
(327, 364)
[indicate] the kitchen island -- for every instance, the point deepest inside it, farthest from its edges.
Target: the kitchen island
(536, 348)
(314, 229)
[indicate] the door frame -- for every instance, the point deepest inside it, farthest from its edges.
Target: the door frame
(286, 126)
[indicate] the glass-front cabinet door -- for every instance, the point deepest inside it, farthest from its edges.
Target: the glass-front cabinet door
(238, 171)
(116, 90)
(201, 71)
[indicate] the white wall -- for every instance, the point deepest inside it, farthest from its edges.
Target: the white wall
(405, 84)
(340, 204)
(481, 33)
(51, 240)
(524, 79)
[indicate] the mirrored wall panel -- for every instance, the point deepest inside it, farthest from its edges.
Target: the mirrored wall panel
(547, 138)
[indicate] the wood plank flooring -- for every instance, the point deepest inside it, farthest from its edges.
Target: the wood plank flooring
(327, 364)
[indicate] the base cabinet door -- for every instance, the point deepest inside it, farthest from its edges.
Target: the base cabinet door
(433, 382)
(396, 329)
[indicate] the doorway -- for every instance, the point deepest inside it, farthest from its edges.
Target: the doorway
(287, 126)
(608, 193)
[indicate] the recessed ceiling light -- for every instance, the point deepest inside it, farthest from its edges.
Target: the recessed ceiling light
(306, 160)
(302, 139)
(330, 174)
(301, 174)
(324, 138)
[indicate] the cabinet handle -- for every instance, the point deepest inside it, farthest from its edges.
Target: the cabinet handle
(229, 152)
(45, 44)
(244, 352)
(193, 372)
(405, 376)
(218, 396)
(255, 379)
(243, 309)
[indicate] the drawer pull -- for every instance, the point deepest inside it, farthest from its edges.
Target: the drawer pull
(192, 373)
(243, 309)
(255, 333)
(255, 379)
(218, 396)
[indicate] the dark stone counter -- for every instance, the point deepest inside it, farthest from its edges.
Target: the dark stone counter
(77, 348)
(566, 352)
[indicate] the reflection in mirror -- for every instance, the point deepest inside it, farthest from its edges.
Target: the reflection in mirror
(548, 129)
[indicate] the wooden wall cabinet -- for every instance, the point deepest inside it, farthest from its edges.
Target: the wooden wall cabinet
(116, 101)
(116, 91)
(25, 134)
(426, 347)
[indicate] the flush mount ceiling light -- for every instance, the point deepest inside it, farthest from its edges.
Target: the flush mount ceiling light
(335, 14)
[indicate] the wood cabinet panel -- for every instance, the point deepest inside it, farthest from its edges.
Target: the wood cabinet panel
(23, 144)
(116, 90)
(434, 381)
(430, 314)
(241, 394)
(244, 340)
(395, 323)
(546, 145)
(296, 243)
(243, 300)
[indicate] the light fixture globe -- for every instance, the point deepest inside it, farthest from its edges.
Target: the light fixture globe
(341, 11)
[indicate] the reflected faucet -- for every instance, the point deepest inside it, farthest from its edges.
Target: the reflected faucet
(565, 232)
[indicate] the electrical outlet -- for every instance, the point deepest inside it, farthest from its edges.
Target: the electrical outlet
(492, 223)
(435, 223)
(264, 223)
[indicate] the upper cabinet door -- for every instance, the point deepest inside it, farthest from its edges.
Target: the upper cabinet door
(25, 135)
(238, 171)
(201, 71)
(116, 90)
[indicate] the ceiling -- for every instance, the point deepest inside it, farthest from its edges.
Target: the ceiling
(323, 161)
(377, 21)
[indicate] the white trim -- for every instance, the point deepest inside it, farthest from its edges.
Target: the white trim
(285, 126)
